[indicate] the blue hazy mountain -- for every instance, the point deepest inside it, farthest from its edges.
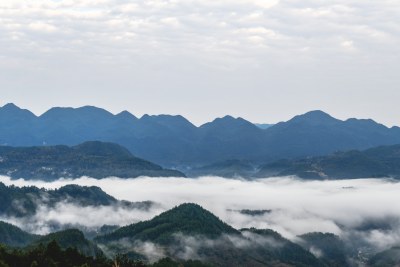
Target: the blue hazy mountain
(263, 125)
(174, 141)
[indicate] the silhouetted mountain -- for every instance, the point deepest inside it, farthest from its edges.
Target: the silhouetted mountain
(174, 141)
(94, 159)
(377, 162)
(13, 236)
(317, 133)
(17, 126)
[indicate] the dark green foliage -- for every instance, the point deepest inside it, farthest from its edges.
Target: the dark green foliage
(187, 219)
(216, 242)
(52, 255)
(375, 162)
(333, 250)
(278, 248)
(94, 159)
(387, 258)
(168, 262)
(16, 201)
(71, 238)
(24, 201)
(11, 235)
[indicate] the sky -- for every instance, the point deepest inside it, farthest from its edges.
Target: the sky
(263, 60)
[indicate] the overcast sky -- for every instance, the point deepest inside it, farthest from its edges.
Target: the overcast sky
(264, 60)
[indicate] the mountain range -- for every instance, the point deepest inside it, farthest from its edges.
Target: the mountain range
(172, 141)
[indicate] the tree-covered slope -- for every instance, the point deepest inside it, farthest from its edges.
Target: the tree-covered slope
(329, 248)
(381, 161)
(189, 230)
(13, 236)
(25, 201)
(387, 258)
(187, 219)
(71, 238)
(94, 159)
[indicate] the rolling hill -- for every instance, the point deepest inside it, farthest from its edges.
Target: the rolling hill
(189, 231)
(95, 159)
(383, 161)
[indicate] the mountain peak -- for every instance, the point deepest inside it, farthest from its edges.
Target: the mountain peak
(69, 112)
(126, 115)
(317, 114)
(315, 117)
(11, 106)
(187, 219)
(11, 109)
(228, 121)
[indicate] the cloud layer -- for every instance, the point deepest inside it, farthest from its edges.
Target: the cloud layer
(333, 55)
(362, 208)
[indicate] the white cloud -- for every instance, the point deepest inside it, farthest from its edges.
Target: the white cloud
(274, 48)
(42, 27)
(297, 207)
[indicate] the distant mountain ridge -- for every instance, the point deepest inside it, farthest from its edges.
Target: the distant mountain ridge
(174, 141)
(94, 159)
(377, 162)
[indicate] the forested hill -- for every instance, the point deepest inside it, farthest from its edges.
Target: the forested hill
(94, 159)
(181, 237)
(376, 162)
(31, 199)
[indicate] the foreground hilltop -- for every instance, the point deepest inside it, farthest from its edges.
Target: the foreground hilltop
(94, 159)
(186, 235)
(174, 141)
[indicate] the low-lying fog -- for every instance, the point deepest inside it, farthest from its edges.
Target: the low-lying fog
(366, 208)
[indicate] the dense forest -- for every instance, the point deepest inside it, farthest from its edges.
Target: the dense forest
(52, 255)
(94, 159)
(186, 235)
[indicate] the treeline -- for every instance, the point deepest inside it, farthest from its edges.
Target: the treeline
(52, 255)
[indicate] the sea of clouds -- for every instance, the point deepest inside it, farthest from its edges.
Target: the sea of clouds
(365, 210)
